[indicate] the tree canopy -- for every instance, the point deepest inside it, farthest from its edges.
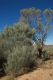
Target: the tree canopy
(39, 20)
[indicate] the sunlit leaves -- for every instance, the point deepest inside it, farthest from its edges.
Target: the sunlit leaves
(48, 14)
(30, 11)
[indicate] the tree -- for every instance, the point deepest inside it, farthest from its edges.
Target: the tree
(41, 21)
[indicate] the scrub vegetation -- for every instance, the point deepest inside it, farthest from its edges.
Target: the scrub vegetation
(22, 45)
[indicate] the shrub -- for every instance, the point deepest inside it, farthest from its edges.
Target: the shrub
(2, 61)
(16, 46)
(45, 55)
(21, 60)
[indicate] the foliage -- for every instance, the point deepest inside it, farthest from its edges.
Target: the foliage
(17, 51)
(22, 59)
(41, 21)
(45, 55)
(16, 45)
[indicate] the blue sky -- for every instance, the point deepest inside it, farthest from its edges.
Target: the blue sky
(10, 11)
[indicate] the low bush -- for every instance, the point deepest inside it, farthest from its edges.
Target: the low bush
(45, 55)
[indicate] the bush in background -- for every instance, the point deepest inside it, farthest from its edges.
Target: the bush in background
(45, 55)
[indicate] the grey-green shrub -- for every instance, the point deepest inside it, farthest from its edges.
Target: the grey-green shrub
(16, 45)
(45, 55)
(21, 60)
